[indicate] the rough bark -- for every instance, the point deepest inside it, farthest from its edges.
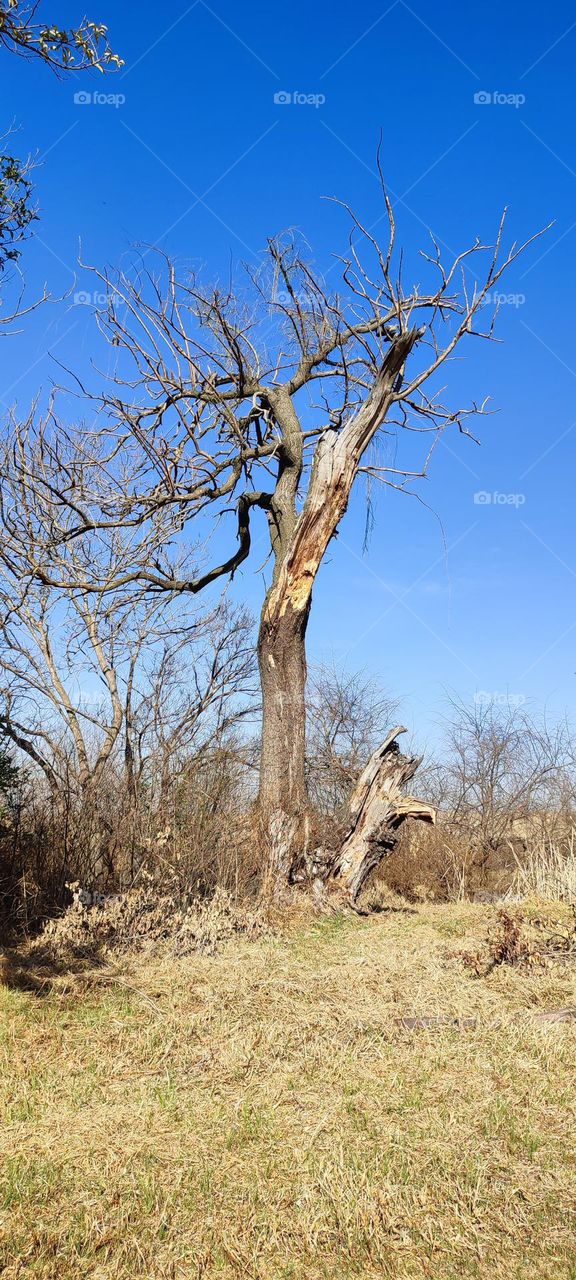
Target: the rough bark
(283, 798)
(378, 809)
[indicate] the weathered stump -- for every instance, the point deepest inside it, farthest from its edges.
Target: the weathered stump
(378, 808)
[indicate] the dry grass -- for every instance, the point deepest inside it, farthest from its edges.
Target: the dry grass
(547, 870)
(259, 1113)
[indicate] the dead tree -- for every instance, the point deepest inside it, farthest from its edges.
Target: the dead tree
(272, 396)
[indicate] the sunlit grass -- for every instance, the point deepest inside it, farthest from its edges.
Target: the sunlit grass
(261, 1114)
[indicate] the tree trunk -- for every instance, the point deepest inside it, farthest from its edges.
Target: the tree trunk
(283, 797)
(299, 546)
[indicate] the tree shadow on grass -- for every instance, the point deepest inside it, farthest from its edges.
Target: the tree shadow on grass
(383, 909)
(380, 908)
(37, 969)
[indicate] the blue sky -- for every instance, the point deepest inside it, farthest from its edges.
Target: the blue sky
(200, 159)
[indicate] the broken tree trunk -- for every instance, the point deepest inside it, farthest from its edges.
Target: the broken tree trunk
(299, 543)
(378, 808)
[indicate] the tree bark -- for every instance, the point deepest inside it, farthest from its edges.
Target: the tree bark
(299, 544)
(283, 798)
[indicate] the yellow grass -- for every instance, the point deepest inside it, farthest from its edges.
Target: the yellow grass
(260, 1114)
(547, 869)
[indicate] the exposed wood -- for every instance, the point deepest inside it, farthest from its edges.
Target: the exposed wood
(337, 458)
(377, 810)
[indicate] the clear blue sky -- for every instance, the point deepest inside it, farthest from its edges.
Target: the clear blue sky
(200, 159)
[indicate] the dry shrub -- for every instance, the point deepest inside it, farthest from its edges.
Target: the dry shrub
(508, 944)
(518, 941)
(207, 839)
(428, 864)
(146, 918)
(196, 837)
(446, 863)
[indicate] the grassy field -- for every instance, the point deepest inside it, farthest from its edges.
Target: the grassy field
(260, 1113)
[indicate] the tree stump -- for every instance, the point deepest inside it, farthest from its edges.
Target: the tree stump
(378, 808)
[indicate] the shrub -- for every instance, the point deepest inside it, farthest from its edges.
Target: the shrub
(145, 917)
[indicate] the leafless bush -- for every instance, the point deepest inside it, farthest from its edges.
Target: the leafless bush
(125, 720)
(206, 838)
(427, 865)
(197, 839)
(504, 773)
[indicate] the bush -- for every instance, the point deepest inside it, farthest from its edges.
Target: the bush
(197, 837)
(94, 926)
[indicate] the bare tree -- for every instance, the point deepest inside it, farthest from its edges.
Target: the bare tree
(189, 711)
(502, 771)
(86, 679)
(121, 707)
(272, 395)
